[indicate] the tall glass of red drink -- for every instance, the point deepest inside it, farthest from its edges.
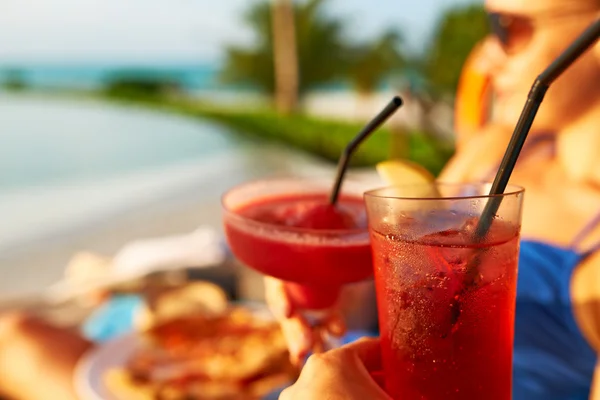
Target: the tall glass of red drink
(446, 298)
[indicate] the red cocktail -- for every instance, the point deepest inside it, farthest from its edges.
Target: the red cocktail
(285, 228)
(446, 300)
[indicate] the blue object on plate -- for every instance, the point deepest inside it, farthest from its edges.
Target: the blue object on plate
(112, 319)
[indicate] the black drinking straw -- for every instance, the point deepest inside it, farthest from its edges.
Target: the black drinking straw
(534, 99)
(371, 127)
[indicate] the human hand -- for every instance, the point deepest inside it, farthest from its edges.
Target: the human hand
(347, 373)
(37, 360)
(300, 335)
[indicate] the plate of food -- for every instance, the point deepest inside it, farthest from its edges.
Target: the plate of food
(236, 353)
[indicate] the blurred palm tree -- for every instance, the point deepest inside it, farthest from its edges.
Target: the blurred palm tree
(253, 65)
(285, 56)
(322, 54)
(373, 62)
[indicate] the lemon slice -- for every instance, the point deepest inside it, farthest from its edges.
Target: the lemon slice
(403, 172)
(406, 180)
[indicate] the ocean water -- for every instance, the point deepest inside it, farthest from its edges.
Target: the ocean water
(64, 163)
(47, 142)
(191, 77)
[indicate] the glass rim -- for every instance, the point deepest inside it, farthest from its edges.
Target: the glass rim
(283, 179)
(511, 190)
(232, 213)
(331, 233)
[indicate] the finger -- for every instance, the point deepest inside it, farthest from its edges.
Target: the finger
(368, 351)
(277, 298)
(298, 336)
(335, 324)
(319, 340)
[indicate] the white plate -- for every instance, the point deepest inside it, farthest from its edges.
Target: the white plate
(93, 366)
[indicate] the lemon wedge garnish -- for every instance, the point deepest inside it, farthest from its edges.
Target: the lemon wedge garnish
(407, 180)
(404, 172)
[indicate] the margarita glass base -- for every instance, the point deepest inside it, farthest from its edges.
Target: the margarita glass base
(312, 297)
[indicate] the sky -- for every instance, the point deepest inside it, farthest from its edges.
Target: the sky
(174, 31)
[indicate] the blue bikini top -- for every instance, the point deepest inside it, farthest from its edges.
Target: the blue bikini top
(552, 359)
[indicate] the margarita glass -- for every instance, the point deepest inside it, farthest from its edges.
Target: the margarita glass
(285, 228)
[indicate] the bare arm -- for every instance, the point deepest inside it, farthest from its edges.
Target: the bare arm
(585, 292)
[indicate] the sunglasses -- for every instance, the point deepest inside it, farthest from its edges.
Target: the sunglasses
(514, 31)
